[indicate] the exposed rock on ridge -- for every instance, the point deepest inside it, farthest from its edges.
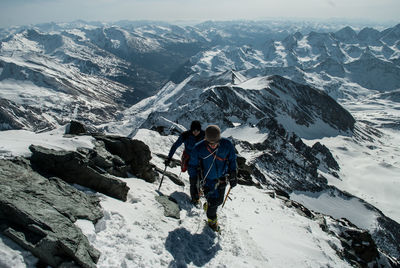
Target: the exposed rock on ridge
(39, 215)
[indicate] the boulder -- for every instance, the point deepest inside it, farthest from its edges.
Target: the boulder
(73, 167)
(75, 128)
(245, 172)
(171, 207)
(134, 153)
(39, 213)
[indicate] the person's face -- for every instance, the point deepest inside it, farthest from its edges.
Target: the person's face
(196, 132)
(213, 145)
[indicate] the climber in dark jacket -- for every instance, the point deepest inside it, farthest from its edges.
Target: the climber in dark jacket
(216, 158)
(189, 138)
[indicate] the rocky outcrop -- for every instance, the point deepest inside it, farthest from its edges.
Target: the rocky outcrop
(75, 128)
(174, 178)
(134, 153)
(74, 167)
(291, 164)
(301, 108)
(358, 247)
(39, 214)
(16, 116)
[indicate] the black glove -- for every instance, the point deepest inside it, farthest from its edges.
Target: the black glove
(167, 161)
(233, 179)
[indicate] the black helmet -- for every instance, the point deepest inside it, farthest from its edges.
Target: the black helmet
(195, 126)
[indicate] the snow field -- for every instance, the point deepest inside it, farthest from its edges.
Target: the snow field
(257, 230)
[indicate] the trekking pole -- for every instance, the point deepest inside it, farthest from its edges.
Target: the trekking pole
(162, 178)
(223, 204)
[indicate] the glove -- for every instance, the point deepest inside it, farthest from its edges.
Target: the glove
(167, 162)
(232, 179)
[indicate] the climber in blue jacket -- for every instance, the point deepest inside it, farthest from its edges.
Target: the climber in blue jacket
(189, 138)
(213, 162)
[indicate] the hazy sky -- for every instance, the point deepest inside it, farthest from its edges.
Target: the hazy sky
(22, 12)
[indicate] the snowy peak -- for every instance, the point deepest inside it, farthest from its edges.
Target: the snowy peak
(347, 35)
(301, 109)
(368, 35)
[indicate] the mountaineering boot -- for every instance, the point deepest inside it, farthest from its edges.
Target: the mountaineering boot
(213, 224)
(205, 206)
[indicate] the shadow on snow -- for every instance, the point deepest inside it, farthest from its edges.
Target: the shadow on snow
(188, 248)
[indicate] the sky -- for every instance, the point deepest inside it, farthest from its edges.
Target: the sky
(24, 12)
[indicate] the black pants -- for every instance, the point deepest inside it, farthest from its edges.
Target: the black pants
(215, 200)
(194, 188)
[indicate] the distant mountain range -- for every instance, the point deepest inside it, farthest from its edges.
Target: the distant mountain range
(51, 73)
(274, 84)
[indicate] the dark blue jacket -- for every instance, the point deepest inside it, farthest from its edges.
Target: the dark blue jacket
(188, 139)
(214, 163)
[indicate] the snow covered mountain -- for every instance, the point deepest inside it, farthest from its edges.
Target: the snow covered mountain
(115, 66)
(313, 112)
(333, 62)
(267, 117)
(308, 112)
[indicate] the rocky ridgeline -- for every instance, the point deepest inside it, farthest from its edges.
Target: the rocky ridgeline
(38, 213)
(358, 246)
(248, 103)
(39, 205)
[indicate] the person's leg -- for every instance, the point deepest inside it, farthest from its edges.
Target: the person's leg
(194, 191)
(214, 201)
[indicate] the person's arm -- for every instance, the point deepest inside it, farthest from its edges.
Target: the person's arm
(175, 146)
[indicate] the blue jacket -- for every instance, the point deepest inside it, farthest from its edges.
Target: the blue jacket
(214, 163)
(188, 139)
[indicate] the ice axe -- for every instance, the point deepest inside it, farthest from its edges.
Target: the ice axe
(162, 178)
(226, 197)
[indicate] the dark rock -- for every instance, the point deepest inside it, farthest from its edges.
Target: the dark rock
(105, 162)
(388, 236)
(302, 210)
(326, 155)
(38, 214)
(75, 128)
(171, 207)
(173, 163)
(134, 153)
(74, 168)
(245, 172)
(171, 176)
(281, 192)
(363, 245)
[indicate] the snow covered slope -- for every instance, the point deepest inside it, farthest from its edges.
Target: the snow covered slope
(236, 75)
(301, 109)
(259, 228)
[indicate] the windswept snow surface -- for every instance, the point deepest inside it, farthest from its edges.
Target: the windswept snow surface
(245, 133)
(370, 169)
(257, 230)
(16, 142)
(12, 255)
(338, 207)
